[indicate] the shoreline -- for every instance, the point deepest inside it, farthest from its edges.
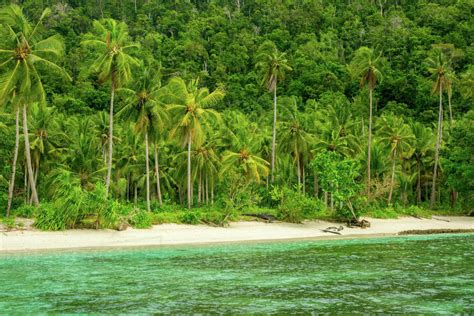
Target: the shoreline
(166, 235)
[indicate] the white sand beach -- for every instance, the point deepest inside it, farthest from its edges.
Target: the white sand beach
(173, 234)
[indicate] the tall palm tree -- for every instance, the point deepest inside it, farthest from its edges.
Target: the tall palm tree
(143, 107)
(24, 50)
(365, 66)
(273, 65)
(189, 106)
(423, 144)
(438, 67)
(295, 140)
(393, 131)
(11, 185)
(114, 64)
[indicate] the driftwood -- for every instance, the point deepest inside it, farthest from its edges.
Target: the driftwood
(440, 219)
(333, 230)
(358, 223)
(435, 231)
(266, 217)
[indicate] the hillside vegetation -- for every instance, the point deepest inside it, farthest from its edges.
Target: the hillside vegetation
(142, 112)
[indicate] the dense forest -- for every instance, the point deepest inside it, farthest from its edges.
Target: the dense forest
(142, 112)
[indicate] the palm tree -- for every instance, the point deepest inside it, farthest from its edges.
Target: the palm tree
(273, 65)
(24, 50)
(422, 146)
(295, 140)
(46, 136)
(144, 108)
(189, 107)
(249, 165)
(11, 185)
(438, 68)
(365, 66)
(393, 131)
(114, 64)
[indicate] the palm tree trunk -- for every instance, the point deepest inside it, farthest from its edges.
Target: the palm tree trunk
(147, 164)
(34, 194)
(11, 186)
(303, 178)
(369, 145)
(157, 171)
(212, 193)
(111, 134)
(316, 185)
(298, 166)
(25, 181)
(450, 110)
(36, 171)
(332, 202)
(200, 188)
(189, 172)
(207, 190)
(274, 132)
(392, 178)
(418, 184)
(438, 143)
(136, 194)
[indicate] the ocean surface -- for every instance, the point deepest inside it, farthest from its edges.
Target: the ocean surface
(422, 274)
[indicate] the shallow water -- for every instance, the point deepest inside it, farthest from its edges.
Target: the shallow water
(423, 274)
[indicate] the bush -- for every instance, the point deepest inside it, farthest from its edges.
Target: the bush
(190, 217)
(72, 206)
(167, 217)
(27, 211)
(294, 207)
(140, 218)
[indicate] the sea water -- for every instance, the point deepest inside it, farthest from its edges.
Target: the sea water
(422, 274)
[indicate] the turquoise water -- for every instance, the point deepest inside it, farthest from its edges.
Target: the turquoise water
(425, 274)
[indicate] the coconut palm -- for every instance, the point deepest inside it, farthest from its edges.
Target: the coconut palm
(438, 67)
(144, 108)
(273, 65)
(11, 185)
(252, 167)
(24, 49)
(46, 137)
(294, 139)
(365, 66)
(189, 106)
(398, 135)
(114, 64)
(423, 144)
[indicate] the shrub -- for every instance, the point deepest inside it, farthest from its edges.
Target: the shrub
(190, 217)
(294, 206)
(25, 210)
(141, 218)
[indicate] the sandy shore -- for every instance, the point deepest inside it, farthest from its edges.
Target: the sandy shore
(173, 234)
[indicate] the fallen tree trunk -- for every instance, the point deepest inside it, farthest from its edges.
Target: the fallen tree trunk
(263, 216)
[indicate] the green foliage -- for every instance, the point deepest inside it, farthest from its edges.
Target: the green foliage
(140, 219)
(459, 162)
(196, 58)
(294, 207)
(25, 210)
(190, 217)
(337, 175)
